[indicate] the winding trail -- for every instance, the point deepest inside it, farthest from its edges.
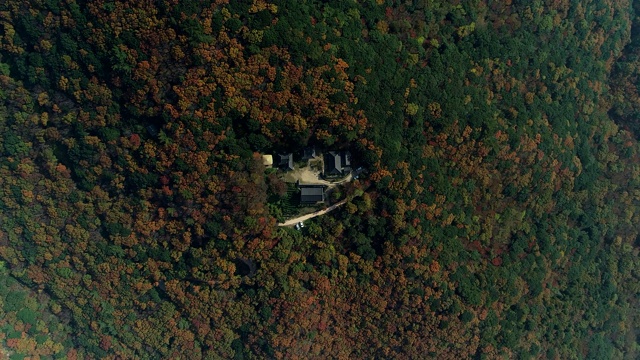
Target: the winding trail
(294, 221)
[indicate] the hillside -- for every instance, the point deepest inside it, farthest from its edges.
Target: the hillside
(497, 216)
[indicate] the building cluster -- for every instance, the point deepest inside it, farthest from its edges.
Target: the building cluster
(336, 164)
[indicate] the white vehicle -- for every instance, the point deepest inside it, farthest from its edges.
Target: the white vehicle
(297, 226)
(301, 224)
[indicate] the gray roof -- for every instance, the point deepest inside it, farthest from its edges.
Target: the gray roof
(346, 159)
(309, 153)
(285, 161)
(311, 193)
(336, 163)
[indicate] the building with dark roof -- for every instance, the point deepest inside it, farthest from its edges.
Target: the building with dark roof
(337, 163)
(311, 193)
(309, 153)
(285, 161)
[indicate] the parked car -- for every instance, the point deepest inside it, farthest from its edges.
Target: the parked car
(301, 224)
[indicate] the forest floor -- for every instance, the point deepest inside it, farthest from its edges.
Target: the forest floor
(302, 218)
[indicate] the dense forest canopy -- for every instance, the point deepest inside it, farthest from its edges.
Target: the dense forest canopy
(497, 216)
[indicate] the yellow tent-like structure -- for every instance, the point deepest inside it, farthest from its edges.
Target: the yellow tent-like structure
(267, 160)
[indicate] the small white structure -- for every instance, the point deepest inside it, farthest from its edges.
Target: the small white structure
(267, 160)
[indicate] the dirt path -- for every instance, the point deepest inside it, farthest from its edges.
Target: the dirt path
(294, 221)
(307, 176)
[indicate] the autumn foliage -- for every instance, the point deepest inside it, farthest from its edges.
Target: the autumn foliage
(495, 214)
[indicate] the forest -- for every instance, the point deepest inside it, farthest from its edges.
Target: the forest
(497, 218)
